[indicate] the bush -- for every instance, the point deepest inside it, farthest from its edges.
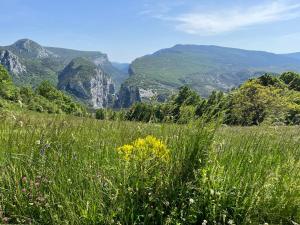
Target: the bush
(100, 114)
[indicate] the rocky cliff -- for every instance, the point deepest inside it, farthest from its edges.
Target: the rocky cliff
(11, 62)
(87, 75)
(127, 96)
(88, 83)
(30, 49)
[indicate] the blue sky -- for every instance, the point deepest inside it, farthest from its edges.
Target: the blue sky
(126, 29)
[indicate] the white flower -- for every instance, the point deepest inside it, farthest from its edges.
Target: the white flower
(231, 222)
(204, 222)
(191, 201)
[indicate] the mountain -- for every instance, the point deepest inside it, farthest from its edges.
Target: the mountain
(127, 96)
(88, 83)
(30, 63)
(87, 75)
(98, 58)
(204, 68)
(295, 55)
(121, 66)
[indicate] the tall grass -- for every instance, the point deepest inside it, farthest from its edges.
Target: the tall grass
(67, 170)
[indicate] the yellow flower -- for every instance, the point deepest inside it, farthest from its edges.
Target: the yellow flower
(126, 150)
(145, 148)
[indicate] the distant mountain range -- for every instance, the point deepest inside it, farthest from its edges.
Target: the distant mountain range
(29, 62)
(204, 68)
(91, 78)
(295, 55)
(96, 78)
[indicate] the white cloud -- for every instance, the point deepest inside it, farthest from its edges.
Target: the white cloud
(225, 20)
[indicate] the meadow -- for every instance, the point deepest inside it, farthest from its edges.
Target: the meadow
(57, 169)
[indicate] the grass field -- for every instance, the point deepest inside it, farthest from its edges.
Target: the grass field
(69, 170)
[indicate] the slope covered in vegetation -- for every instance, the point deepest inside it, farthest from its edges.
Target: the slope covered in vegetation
(268, 99)
(45, 98)
(58, 169)
(204, 68)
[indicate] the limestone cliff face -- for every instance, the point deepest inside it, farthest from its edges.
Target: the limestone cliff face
(127, 96)
(11, 62)
(88, 83)
(102, 90)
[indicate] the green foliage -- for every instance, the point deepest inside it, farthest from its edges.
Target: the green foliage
(204, 68)
(184, 107)
(292, 80)
(7, 89)
(270, 80)
(265, 99)
(46, 98)
(57, 169)
(100, 114)
(268, 99)
(4, 76)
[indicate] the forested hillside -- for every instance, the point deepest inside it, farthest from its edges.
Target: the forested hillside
(45, 98)
(268, 99)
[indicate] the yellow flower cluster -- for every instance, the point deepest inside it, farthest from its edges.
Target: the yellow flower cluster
(145, 148)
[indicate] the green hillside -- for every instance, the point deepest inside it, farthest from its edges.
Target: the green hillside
(45, 98)
(31, 63)
(267, 100)
(98, 58)
(204, 68)
(39, 64)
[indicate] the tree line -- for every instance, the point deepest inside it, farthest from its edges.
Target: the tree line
(269, 99)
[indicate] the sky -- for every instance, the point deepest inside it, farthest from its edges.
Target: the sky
(127, 29)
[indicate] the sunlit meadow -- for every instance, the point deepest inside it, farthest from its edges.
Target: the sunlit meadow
(70, 170)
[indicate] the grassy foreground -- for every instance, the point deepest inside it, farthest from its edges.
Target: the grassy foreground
(68, 170)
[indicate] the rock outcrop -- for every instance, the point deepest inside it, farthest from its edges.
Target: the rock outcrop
(29, 48)
(11, 62)
(127, 96)
(88, 83)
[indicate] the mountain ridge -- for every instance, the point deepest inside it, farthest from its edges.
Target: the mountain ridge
(203, 67)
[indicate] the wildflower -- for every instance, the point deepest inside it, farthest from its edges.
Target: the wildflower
(41, 199)
(24, 179)
(230, 222)
(5, 220)
(20, 103)
(38, 142)
(191, 201)
(204, 222)
(21, 123)
(24, 190)
(145, 148)
(126, 150)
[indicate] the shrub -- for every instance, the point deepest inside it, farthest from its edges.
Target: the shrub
(100, 114)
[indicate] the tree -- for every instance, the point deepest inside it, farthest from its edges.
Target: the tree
(270, 80)
(100, 114)
(252, 103)
(292, 80)
(7, 89)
